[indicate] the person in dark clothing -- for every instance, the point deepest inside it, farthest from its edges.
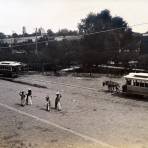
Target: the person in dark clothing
(57, 101)
(29, 97)
(48, 104)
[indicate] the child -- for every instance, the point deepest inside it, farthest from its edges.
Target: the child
(48, 104)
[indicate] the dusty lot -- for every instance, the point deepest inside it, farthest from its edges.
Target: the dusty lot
(90, 117)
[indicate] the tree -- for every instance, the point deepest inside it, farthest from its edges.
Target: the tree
(2, 35)
(98, 41)
(65, 32)
(15, 35)
(95, 22)
(118, 22)
(41, 31)
(50, 33)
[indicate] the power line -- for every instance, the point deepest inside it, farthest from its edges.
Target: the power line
(52, 41)
(103, 31)
(109, 30)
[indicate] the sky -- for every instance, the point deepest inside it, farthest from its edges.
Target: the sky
(59, 14)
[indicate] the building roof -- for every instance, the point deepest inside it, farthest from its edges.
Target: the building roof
(137, 76)
(10, 63)
(145, 34)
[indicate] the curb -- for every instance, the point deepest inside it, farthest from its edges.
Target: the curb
(26, 83)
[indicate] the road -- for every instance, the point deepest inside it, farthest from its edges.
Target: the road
(90, 117)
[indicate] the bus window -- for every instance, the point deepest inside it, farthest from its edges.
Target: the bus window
(142, 84)
(15, 69)
(146, 84)
(128, 82)
(136, 83)
(9, 68)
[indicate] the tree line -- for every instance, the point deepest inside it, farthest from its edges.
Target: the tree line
(104, 38)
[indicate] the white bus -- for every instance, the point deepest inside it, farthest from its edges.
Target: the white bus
(136, 83)
(10, 68)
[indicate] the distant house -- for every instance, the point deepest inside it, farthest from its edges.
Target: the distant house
(144, 44)
(20, 39)
(18, 52)
(70, 37)
(33, 39)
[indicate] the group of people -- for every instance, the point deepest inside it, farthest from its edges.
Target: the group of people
(57, 102)
(26, 99)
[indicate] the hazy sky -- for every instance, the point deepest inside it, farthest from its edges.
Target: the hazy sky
(58, 14)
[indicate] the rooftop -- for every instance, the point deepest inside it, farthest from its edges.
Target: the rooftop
(137, 76)
(12, 63)
(145, 34)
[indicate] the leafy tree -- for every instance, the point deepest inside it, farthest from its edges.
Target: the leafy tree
(15, 35)
(100, 45)
(95, 22)
(2, 35)
(50, 32)
(65, 32)
(118, 22)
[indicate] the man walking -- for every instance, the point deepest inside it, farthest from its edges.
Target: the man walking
(48, 104)
(57, 101)
(29, 97)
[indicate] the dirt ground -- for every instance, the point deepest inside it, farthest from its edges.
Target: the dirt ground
(90, 116)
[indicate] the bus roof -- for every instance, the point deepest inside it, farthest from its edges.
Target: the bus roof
(137, 76)
(10, 63)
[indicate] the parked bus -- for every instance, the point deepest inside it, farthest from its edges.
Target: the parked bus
(10, 68)
(136, 83)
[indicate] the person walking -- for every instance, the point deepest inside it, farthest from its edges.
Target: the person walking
(48, 103)
(58, 101)
(29, 97)
(23, 98)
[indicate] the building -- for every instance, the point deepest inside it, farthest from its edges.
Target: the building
(20, 39)
(68, 37)
(144, 44)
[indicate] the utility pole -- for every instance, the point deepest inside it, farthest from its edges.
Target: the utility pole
(36, 44)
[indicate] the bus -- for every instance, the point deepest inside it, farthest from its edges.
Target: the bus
(10, 68)
(136, 83)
